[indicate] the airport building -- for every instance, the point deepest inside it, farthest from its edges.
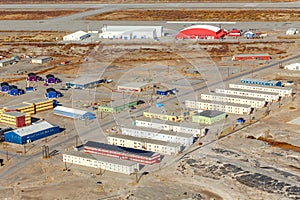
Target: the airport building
(201, 32)
(159, 146)
(76, 36)
(167, 136)
(253, 102)
(101, 162)
(268, 96)
(31, 133)
(124, 153)
(282, 91)
(232, 108)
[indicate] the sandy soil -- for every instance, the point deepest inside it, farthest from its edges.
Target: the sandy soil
(199, 15)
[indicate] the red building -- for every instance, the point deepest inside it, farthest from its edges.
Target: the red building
(234, 33)
(264, 56)
(201, 32)
(124, 153)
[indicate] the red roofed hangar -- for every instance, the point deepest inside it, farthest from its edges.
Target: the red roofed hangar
(201, 32)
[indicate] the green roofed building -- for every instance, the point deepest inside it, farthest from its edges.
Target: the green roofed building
(115, 107)
(208, 117)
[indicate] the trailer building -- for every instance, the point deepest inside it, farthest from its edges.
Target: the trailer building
(252, 101)
(159, 146)
(167, 136)
(166, 117)
(134, 87)
(208, 117)
(239, 109)
(282, 91)
(73, 113)
(41, 60)
(264, 56)
(101, 162)
(31, 133)
(268, 96)
(117, 106)
(6, 62)
(124, 153)
(261, 82)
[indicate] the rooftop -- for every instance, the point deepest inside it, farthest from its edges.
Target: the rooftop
(119, 149)
(254, 54)
(37, 101)
(132, 138)
(14, 113)
(101, 158)
(210, 113)
(86, 79)
(185, 135)
(235, 96)
(224, 103)
(70, 110)
(41, 58)
(209, 27)
(32, 128)
(7, 60)
(134, 84)
(264, 86)
(79, 33)
(250, 91)
(14, 107)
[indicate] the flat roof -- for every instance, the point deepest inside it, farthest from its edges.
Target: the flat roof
(235, 96)
(210, 113)
(6, 60)
(20, 105)
(118, 103)
(134, 84)
(126, 150)
(264, 86)
(41, 57)
(252, 54)
(14, 113)
(260, 80)
(37, 100)
(27, 130)
(85, 79)
(70, 110)
(224, 103)
(185, 135)
(250, 91)
(138, 139)
(101, 158)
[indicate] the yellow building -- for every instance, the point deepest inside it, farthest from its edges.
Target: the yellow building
(15, 118)
(22, 107)
(40, 104)
(166, 117)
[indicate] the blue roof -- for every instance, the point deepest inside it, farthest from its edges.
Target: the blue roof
(119, 149)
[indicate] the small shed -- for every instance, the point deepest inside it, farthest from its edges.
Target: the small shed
(4, 87)
(208, 117)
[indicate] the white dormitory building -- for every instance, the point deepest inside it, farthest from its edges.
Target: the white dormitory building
(282, 91)
(101, 162)
(159, 146)
(167, 136)
(268, 96)
(294, 66)
(131, 32)
(252, 101)
(77, 36)
(201, 104)
(169, 126)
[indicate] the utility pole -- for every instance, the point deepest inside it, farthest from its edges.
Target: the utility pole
(24, 148)
(76, 138)
(7, 155)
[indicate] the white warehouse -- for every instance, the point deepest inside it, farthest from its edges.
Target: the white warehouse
(162, 147)
(252, 101)
(167, 136)
(268, 96)
(239, 109)
(282, 91)
(294, 66)
(101, 162)
(77, 36)
(167, 126)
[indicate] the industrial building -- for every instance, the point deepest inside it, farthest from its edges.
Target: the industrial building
(282, 91)
(77, 36)
(169, 126)
(117, 106)
(6, 62)
(167, 136)
(238, 109)
(252, 101)
(268, 96)
(15, 118)
(41, 60)
(208, 117)
(294, 66)
(201, 32)
(101, 162)
(73, 113)
(166, 117)
(159, 146)
(31, 133)
(84, 82)
(261, 82)
(264, 56)
(124, 153)
(134, 87)
(4, 87)
(131, 32)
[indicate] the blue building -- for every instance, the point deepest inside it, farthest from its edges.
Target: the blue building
(261, 82)
(166, 92)
(4, 87)
(52, 93)
(13, 91)
(31, 133)
(73, 113)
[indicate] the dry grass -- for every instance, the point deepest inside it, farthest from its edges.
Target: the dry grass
(199, 15)
(282, 145)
